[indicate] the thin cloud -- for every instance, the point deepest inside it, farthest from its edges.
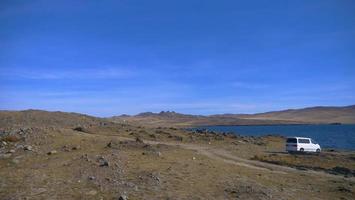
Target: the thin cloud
(104, 73)
(248, 85)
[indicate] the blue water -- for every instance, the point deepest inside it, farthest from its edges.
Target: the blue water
(328, 136)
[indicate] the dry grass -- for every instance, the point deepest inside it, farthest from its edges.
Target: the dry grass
(325, 161)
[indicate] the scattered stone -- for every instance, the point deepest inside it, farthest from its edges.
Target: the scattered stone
(52, 152)
(343, 189)
(65, 148)
(86, 157)
(76, 147)
(139, 140)
(27, 148)
(11, 151)
(92, 192)
(80, 129)
(103, 162)
(178, 138)
(193, 158)
(39, 191)
(155, 176)
(109, 145)
(123, 197)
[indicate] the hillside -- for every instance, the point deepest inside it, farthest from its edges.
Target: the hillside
(166, 119)
(40, 118)
(345, 115)
(326, 115)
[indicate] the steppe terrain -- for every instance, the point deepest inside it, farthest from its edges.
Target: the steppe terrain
(57, 155)
(312, 115)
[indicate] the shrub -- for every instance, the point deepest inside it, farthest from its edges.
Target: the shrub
(10, 138)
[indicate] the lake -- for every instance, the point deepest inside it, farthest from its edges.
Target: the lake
(328, 136)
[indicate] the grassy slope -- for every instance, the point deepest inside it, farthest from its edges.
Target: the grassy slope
(344, 115)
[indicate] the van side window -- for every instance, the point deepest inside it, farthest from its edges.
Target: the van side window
(305, 141)
(291, 140)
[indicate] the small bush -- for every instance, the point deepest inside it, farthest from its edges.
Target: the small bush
(10, 138)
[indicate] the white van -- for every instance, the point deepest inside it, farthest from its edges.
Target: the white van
(302, 144)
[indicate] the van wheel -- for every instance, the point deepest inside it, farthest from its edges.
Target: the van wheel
(301, 149)
(318, 150)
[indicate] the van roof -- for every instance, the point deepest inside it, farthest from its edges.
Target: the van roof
(299, 137)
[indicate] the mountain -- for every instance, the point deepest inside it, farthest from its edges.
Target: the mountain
(169, 118)
(322, 115)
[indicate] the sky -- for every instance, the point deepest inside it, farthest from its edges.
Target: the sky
(107, 58)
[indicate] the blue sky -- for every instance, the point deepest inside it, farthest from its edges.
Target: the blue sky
(202, 57)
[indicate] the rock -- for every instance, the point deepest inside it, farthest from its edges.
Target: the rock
(39, 191)
(123, 197)
(109, 145)
(79, 128)
(92, 177)
(65, 148)
(155, 176)
(52, 152)
(92, 192)
(139, 140)
(153, 136)
(86, 158)
(76, 147)
(11, 151)
(193, 158)
(344, 189)
(103, 162)
(27, 148)
(4, 143)
(178, 138)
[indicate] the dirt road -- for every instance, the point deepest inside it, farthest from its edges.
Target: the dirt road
(228, 157)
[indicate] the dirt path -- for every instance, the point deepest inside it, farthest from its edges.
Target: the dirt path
(227, 157)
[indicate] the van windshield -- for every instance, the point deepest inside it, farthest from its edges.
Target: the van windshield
(314, 142)
(291, 140)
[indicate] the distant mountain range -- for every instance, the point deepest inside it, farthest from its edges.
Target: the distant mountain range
(312, 115)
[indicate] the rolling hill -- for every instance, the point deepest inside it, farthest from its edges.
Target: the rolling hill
(312, 115)
(345, 115)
